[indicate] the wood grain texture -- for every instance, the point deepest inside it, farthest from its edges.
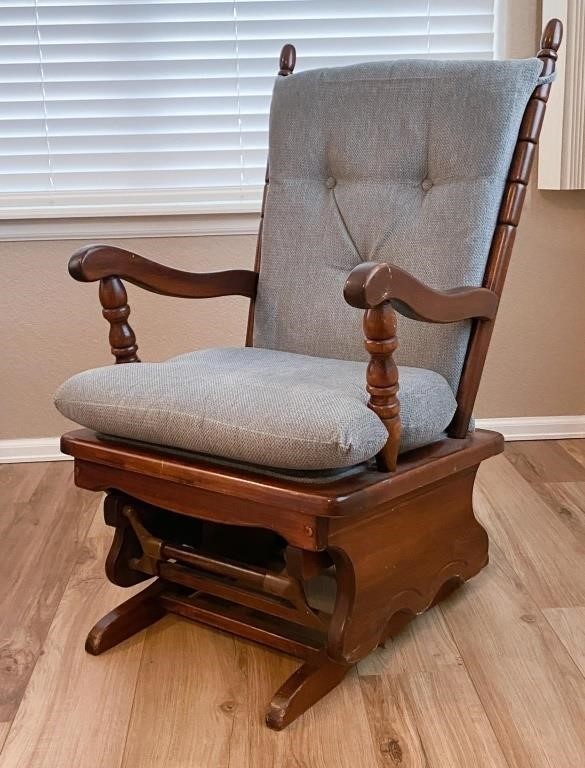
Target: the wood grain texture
(4, 728)
(533, 693)
(423, 543)
(350, 495)
(115, 309)
(372, 283)
(76, 708)
(422, 706)
(99, 262)
(412, 705)
(42, 529)
(540, 462)
(189, 693)
(567, 502)
(379, 324)
(334, 732)
(555, 472)
(569, 626)
(574, 448)
(530, 536)
(428, 543)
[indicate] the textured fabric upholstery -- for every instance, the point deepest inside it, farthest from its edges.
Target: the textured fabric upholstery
(255, 405)
(399, 161)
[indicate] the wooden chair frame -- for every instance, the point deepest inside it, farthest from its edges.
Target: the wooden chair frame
(238, 550)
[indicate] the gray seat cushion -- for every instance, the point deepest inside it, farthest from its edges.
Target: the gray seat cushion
(259, 406)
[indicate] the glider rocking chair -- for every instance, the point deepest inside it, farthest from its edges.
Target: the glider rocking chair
(303, 491)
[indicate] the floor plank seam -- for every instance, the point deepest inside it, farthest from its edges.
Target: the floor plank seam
(472, 680)
(229, 757)
(561, 641)
(373, 741)
(67, 582)
(516, 676)
(132, 705)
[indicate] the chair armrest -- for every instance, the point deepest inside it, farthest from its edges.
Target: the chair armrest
(380, 289)
(371, 284)
(98, 262)
(108, 265)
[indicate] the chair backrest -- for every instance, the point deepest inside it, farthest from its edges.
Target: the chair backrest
(399, 161)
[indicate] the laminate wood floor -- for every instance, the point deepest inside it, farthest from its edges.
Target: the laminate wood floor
(494, 676)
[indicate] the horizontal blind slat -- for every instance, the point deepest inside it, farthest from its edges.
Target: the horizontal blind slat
(107, 102)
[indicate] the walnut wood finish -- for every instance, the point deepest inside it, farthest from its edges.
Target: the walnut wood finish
(427, 541)
(382, 378)
(115, 309)
(99, 262)
(125, 547)
(372, 283)
(422, 543)
(303, 688)
(126, 620)
(191, 486)
(262, 628)
(399, 543)
(287, 60)
(234, 549)
(381, 288)
(505, 232)
(108, 264)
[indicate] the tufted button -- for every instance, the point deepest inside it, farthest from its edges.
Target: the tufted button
(330, 182)
(426, 184)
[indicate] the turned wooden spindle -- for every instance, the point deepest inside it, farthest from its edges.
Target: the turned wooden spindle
(382, 378)
(287, 61)
(115, 309)
(505, 231)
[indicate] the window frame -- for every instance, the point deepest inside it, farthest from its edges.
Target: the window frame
(153, 213)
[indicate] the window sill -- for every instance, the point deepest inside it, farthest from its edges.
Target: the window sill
(67, 227)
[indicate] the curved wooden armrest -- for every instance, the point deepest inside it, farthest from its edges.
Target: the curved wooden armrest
(97, 262)
(380, 289)
(371, 284)
(109, 264)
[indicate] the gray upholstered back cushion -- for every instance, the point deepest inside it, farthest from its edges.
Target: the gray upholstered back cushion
(400, 161)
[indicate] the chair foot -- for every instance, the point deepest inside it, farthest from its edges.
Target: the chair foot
(126, 620)
(304, 688)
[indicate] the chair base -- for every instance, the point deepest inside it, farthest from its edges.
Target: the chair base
(357, 581)
(315, 678)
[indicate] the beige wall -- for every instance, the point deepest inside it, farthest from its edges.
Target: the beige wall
(51, 326)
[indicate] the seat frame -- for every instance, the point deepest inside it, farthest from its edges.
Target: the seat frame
(240, 550)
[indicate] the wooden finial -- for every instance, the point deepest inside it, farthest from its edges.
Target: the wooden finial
(288, 59)
(550, 41)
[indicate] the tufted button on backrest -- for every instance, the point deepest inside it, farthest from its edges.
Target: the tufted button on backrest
(423, 148)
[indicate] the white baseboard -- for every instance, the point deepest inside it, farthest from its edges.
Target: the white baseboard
(31, 449)
(514, 428)
(536, 427)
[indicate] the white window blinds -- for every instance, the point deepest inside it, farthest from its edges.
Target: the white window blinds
(137, 106)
